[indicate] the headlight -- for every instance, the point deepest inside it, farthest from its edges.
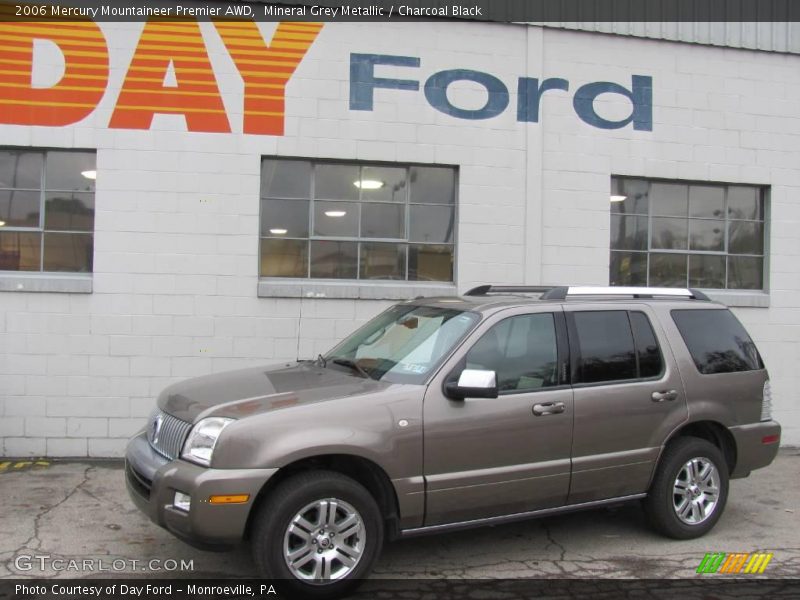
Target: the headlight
(202, 438)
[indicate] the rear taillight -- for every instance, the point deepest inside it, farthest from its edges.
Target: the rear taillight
(766, 402)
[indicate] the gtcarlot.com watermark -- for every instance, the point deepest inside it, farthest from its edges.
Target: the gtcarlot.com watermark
(46, 562)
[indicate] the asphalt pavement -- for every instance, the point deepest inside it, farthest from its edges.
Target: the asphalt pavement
(78, 515)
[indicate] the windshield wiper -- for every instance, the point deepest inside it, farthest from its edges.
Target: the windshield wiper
(321, 361)
(346, 362)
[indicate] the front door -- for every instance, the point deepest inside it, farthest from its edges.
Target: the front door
(497, 456)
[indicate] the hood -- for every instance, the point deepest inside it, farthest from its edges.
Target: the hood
(244, 392)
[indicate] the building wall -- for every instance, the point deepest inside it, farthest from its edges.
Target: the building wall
(177, 214)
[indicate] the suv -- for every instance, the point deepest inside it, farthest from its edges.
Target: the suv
(444, 413)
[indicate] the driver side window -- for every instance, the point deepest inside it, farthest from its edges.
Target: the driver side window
(522, 351)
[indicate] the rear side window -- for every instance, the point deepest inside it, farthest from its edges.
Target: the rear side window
(717, 341)
(647, 350)
(615, 345)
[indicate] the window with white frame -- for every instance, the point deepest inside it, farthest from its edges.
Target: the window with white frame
(339, 220)
(47, 210)
(679, 234)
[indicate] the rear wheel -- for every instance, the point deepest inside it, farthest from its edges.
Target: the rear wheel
(319, 531)
(689, 490)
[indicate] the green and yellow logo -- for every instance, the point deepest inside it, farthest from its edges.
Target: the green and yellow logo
(734, 562)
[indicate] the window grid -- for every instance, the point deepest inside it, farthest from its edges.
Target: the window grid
(688, 251)
(406, 242)
(43, 190)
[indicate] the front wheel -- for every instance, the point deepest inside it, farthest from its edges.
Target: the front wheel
(689, 490)
(320, 532)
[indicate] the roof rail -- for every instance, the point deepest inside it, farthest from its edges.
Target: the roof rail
(562, 292)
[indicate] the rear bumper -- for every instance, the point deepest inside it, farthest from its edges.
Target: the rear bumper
(152, 481)
(756, 446)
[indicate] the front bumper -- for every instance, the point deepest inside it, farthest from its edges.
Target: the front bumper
(152, 481)
(756, 446)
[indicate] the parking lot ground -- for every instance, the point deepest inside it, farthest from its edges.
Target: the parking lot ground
(80, 510)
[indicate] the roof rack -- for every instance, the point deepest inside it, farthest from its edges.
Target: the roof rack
(562, 292)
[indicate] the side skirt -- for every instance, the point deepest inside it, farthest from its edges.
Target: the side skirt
(544, 512)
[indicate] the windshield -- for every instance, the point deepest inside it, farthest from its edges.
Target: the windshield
(404, 343)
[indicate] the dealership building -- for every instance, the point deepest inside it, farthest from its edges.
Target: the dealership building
(181, 197)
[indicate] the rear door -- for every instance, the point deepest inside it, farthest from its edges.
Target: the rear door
(496, 456)
(628, 398)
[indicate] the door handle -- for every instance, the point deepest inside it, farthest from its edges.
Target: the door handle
(548, 408)
(666, 395)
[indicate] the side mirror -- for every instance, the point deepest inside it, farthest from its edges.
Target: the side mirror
(473, 383)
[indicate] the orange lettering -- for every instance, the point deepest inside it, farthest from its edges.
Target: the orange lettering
(265, 69)
(144, 93)
(76, 94)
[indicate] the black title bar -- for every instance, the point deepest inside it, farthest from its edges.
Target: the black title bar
(397, 10)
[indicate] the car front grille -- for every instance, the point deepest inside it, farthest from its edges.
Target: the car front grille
(166, 434)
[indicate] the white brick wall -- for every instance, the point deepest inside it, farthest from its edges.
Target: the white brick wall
(176, 230)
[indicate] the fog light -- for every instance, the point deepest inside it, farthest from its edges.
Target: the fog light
(182, 501)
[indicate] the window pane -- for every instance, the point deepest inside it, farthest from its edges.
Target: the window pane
(431, 223)
(336, 182)
(70, 211)
(385, 184)
(282, 178)
(717, 341)
(606, 346)
(650, 362)
(430, 263)
(284, 218)
(383, 220)
(284, 258)
(71, 252)
(521, 350)
(336, 219)
(745, 273)
(745, 237)
(669, 234)
(628, 233)
(669, 199)
(706, 234)
(707, 201)
(20, 251)
(334, 260)
(744, 202)
(432, 185)
(706, 271)
(383, 261)
(628, 268)
(20, 169)
(19, 209)
(636, 196)
(667, 270)
(73, 171)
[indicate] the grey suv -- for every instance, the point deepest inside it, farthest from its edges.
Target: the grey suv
(443, 413)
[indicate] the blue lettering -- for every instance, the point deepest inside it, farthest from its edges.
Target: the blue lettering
(363, 81)
(530, 90)
(640, 95)
(529, 93)
(436, 93)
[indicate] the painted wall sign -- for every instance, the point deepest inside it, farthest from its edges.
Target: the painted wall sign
(176, 50)
(363, 84)
(174, 47)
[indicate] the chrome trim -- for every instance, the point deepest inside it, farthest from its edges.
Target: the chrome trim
(167, 439)
(543, 512)
(587, 290)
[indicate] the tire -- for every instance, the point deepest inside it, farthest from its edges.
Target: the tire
(287, 542)
(689, 490)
